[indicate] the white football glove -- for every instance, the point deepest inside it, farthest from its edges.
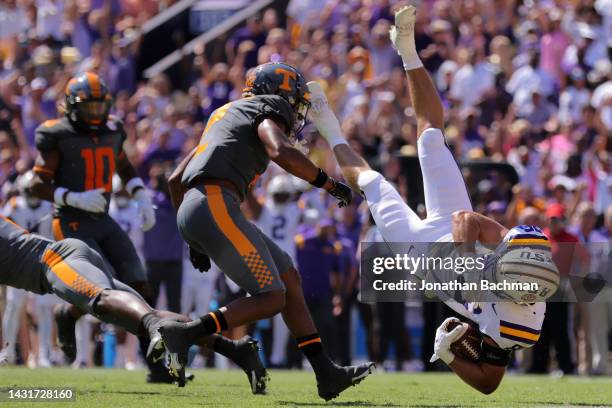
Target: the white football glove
(90, 200)
(321, 114)
(145, 206)
(402, 37)
(444, 340)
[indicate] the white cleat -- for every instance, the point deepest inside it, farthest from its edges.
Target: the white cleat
(404, 23)
(7, 357)
(402, 36)
(321, 114)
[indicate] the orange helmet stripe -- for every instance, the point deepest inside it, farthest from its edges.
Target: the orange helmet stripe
(70, 83)
(94, 84)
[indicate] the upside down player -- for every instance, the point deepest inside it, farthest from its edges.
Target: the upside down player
(77, 274)
(207, 187)
(510, 324)
(78, 156)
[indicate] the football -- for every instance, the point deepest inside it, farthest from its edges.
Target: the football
(467, 346)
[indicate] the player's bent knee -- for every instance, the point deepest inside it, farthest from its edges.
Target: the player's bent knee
(367, 178)
(273, 302)
(430, 138)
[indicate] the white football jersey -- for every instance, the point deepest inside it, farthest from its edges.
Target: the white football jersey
(280, 223)
(512, 326)
(37, 220)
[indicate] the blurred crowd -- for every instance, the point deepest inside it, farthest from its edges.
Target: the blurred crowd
(527, 88)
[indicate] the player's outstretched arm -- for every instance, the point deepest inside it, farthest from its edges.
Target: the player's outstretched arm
(481, 376)
(295, 162)
(425, 99)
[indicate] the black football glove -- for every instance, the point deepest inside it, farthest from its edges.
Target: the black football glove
(199, 260)
(340, 192)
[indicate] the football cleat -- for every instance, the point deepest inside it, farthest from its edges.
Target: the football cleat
(164, 377)
(321, 113)
(404, 26)
(334, 380)
(7, 357)
(246, 356)
(66, 338)
(177, 346)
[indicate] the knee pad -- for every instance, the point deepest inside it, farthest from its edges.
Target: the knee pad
(367, 177)
(431, 138)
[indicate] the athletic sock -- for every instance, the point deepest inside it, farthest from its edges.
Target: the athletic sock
(146, 323)
(213, 322)
(312, 348)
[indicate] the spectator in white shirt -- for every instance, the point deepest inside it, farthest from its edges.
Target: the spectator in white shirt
(526, 80)
(574, 98)
(472, 80)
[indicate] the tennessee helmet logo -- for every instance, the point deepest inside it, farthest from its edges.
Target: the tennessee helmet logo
(285, 86)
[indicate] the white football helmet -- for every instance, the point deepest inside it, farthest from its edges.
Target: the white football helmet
(280, 185)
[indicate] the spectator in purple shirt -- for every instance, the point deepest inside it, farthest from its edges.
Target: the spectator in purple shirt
(163, 246)
(318, 262)
(160, 151)
(122, 71)
(35, 108)
(254, 31)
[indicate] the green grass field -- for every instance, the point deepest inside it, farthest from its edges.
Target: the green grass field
(98, 388)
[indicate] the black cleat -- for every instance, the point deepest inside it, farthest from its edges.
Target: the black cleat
(66, 338)
(164, 377)
(246, 356)
(159, 377)
(174, 340)
(336, 379)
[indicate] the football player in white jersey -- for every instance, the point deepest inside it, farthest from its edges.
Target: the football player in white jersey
(279, 218)
(35, 216)
(513, 322)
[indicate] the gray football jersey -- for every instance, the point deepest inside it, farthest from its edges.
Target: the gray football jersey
(87, 161)
(20, 254)
(230, 148)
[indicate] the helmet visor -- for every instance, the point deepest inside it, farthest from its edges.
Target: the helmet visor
(301, 110)
(93, 112)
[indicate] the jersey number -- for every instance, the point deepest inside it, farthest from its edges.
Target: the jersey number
(278, 229)
(95, 160)
(216, 116)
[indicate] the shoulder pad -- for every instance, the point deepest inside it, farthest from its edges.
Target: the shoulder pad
(519, 325)
(50, 123)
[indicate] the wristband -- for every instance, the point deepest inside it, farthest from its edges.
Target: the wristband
(59, 195)
(134, 185)
(321, 179)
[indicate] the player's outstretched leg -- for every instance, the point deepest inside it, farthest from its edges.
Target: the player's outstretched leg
(331, 378)
(243, 352)
(66, 338)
